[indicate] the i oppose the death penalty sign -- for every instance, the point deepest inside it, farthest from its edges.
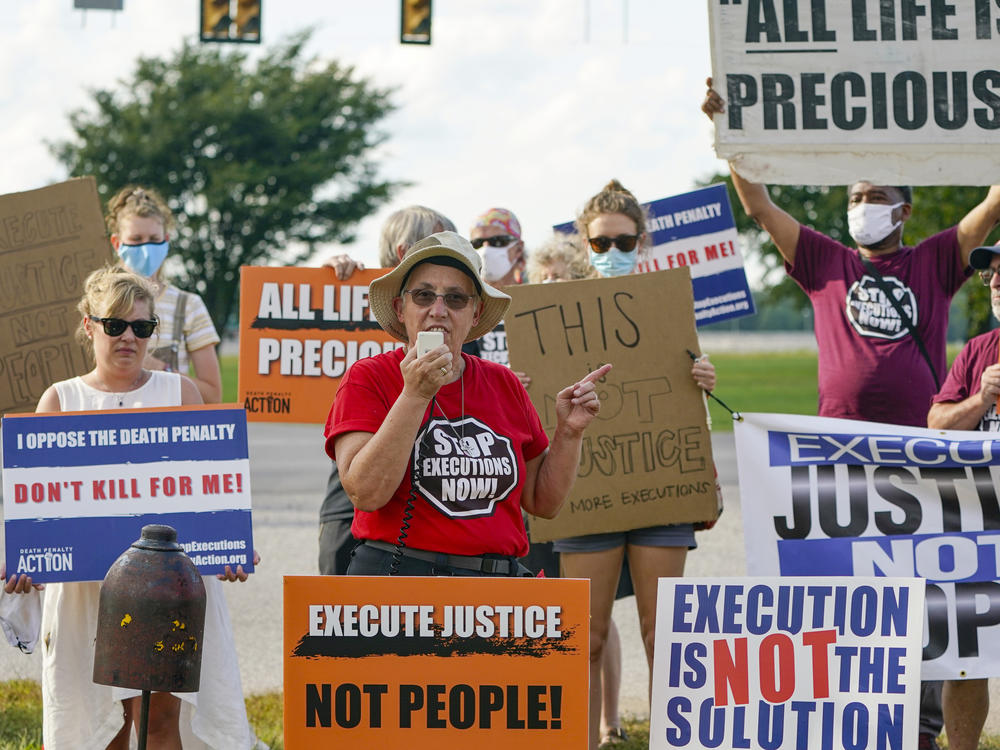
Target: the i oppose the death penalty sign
(436, 662)
(79, 486)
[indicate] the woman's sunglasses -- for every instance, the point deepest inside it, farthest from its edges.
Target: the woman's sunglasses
(624, 242)
(501, 240)
(426, 298)
(143, 329)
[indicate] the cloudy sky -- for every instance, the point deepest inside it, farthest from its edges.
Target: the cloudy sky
(528, 104)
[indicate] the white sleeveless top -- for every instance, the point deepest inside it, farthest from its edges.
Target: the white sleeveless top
(78, 713)
(162, 389)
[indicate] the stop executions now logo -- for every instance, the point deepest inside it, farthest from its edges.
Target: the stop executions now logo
(873, 314)
(464, 468)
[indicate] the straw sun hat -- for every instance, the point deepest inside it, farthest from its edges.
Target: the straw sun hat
(459, 252)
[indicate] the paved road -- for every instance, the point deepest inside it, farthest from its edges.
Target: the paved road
(288, 476)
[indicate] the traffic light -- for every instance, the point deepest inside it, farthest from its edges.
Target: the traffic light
(230, 21)
(415, 22)
(248, 20)
(215, 20)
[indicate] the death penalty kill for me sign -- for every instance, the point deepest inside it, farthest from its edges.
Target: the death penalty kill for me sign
(50, 240)
(79, 486)
(647, 457)
(485, 663)
(826, 93)
(300, 329)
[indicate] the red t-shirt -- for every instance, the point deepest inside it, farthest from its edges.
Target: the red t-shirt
(870, 367)
(964, 377)
(468, 497)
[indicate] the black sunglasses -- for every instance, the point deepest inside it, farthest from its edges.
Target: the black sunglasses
(143, 329)
(624, 242)
(501, 240)
(427, 297)
(987, 275)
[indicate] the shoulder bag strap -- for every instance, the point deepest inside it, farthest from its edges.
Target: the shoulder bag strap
(179, 319)
(870, 267)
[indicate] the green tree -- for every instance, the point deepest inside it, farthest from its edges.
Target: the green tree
(258, 160)
(825, 209)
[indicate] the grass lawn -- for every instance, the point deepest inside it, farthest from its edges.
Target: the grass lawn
(21, 720)
(782, 382)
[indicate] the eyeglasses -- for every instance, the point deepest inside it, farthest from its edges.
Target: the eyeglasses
(501, 240)
(987, 275)
(624, 242)
(143, 329)
(426, 298)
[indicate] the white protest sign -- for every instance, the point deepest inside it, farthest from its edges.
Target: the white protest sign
(786, 663)
(825, 93)
(838, 497)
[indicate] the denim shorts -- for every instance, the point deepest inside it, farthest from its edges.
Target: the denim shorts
(674, 535)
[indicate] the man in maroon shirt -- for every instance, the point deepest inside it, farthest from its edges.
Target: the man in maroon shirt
(870, 367)
(968, 401)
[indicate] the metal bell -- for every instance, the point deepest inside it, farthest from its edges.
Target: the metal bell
(151, 617)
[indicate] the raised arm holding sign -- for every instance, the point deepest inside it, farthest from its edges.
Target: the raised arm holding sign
(865, 342)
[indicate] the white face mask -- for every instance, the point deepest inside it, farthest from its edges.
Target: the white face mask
(870, 223)
(496, 262)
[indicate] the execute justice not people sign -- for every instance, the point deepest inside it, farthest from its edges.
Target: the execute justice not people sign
(822, 92)
(647, 457)
(423, 662)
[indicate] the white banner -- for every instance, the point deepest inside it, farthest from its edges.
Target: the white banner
(831, 92)
(786, 663)
(837, 497)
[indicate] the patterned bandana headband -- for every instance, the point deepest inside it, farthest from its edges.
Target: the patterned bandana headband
(501, 218)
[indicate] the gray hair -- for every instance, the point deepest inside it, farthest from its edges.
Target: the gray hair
(406, 227)
(560, 247)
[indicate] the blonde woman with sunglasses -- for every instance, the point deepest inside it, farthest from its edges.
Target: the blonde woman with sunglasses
(613, 224)
(117, 322)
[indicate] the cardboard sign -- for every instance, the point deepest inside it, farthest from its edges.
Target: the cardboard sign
(79, 486)
(787, 663)
(647, 458)
(300, 329)
(50, 240)
(838, 497)
(826, 93)
(436, 662)
(697, 230)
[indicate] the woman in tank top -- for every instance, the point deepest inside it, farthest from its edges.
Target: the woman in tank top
(118, 319)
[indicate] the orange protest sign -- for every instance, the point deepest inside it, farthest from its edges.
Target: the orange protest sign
(435, 662)
(300, 329)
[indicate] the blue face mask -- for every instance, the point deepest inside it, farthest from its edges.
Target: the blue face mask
(614, 262)
(144, 260)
